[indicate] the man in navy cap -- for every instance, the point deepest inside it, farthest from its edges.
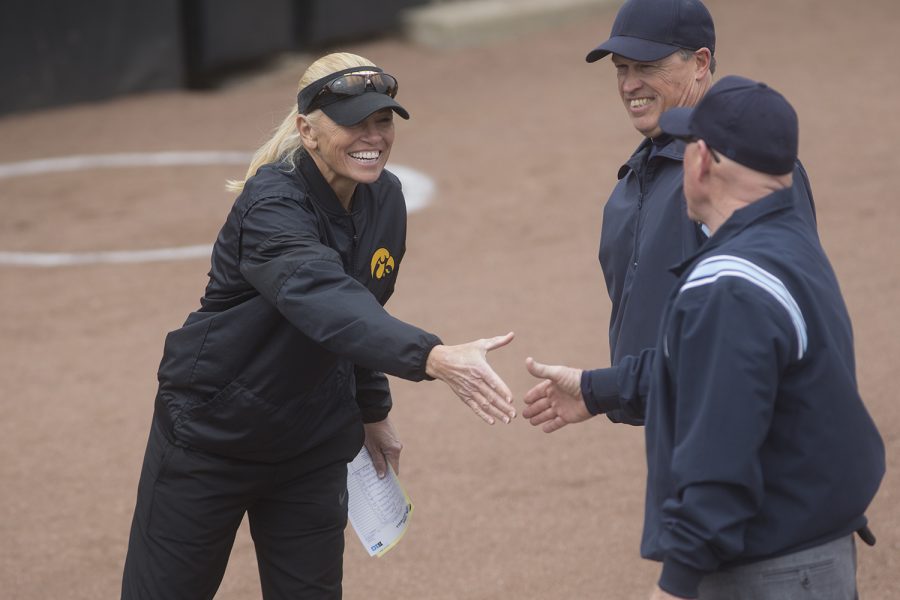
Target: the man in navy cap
(761, 456)
(663, 51)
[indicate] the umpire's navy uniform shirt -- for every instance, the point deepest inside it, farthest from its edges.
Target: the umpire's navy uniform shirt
(758, 443)
(291, 341)
(645, 231)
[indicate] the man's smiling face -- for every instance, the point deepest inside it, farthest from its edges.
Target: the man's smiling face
(648, 89)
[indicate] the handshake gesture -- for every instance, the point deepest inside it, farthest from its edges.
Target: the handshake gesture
(554, 402)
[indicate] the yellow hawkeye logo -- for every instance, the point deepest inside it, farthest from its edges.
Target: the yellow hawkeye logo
(382, 263)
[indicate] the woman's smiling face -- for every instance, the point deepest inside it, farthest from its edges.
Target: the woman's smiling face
(347, 156)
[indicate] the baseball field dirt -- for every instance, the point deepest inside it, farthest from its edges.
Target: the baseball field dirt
(522, 140)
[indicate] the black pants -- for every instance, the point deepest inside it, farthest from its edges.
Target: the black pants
(190, 504)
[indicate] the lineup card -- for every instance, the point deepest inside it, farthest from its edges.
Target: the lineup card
(378, 509)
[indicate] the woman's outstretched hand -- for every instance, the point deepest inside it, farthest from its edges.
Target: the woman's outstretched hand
(466, 370)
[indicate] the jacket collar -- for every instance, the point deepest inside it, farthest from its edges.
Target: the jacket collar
(664, 146)
(782, 200)
(321, 192)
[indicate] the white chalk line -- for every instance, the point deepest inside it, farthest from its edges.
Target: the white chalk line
(417, 189)
(62, 259)
(81, 162)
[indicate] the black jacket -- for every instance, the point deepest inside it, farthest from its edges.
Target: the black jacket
(290, 342)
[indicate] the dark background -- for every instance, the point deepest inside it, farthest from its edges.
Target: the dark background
(60, 53)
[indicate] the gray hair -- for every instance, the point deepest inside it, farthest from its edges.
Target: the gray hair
(687, 54)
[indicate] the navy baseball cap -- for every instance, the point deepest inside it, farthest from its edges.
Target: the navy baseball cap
(745, 120)
(648, 30)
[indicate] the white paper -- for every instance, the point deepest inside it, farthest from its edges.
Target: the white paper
(378, 509)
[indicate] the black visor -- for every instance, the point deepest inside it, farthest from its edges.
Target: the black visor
(351, 95)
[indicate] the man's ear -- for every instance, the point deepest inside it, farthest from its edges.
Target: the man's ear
(702, 62)
(307, 132)
(705, 158)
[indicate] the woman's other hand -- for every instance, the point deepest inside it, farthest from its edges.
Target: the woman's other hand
(383, 445)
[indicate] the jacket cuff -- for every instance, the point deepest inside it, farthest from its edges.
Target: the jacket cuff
(374, 414)
(600, 390)
(433, 341)
(679, 579)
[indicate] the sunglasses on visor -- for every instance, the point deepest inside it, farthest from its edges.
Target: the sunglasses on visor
(354, 84)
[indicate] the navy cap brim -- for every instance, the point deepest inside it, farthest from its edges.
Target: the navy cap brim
(352, 110)
(631, 48)
(677, 122)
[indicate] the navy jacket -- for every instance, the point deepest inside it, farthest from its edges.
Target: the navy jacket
(758, 443)
(290, 343)
(645, 231)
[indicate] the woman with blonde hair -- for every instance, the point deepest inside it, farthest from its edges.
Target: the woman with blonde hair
(274, 384)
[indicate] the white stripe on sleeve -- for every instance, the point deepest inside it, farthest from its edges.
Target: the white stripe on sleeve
(709, 270)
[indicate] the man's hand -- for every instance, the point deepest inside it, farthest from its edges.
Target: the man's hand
(556, 401)
(465, 369)
(383, 445)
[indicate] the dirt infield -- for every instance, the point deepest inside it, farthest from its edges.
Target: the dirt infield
(523, 140)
